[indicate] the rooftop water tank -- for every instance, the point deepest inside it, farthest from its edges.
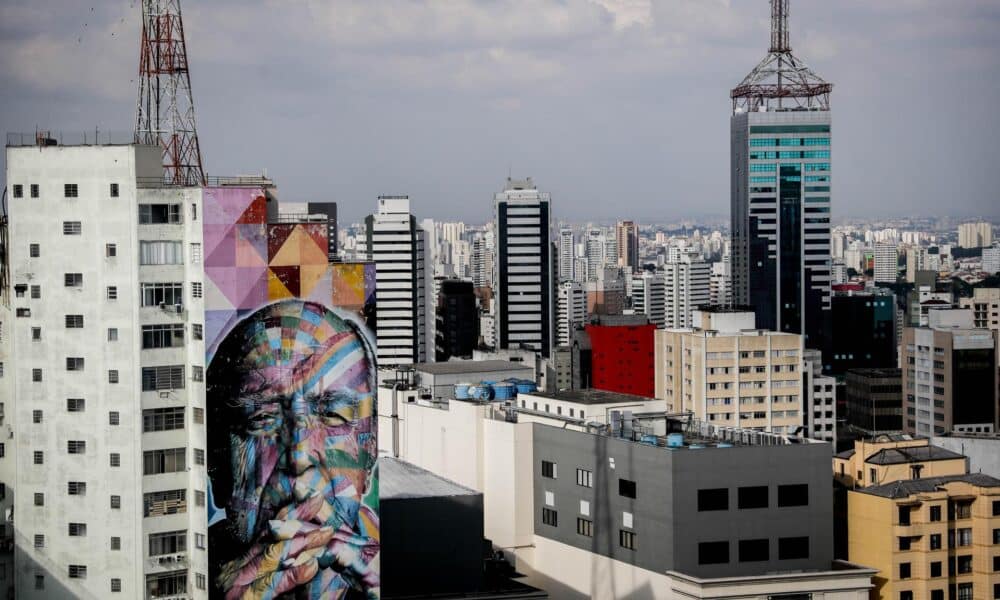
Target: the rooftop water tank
(675, 440)
(504, 391)
(723, 445)
(462, 391)
(526, 386)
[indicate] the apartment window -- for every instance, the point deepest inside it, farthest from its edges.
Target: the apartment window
(996, 564)
(904, 570)
(197, 331)
(194, 211)
(166, 294)
(114, 418)
(197, 373)
(38, 457)
(74, 321)
(171, 460)
(77, 529)
(199, 498)
(996, 536)
(159, 214)
(936, 569)
(791, 548)
(626, 488)
(549, 469)
(39, 582)
(34, 251)
(74, 363)
(114, 190)
(163, 419)
(196, 289)
(198, 414)
(935, 513)
(36, 416)
(199, 456)
(112, 334)
(963, 537)
(73, 279)
(585, 527)
(78, 571)
(904, 515)
(115, 459)
(116, 584)
(713, 553)
(200, 581)
(172, 583)
(70, 190)
(36, 375)
(33, 190)
(112, 292)
(169, 542)
(116, 543)
(963, 510)
(754, 550)
(72, 228)
(965, 591)
(113, 376)
(904, 543)
(199, 541)
(36, 292)
(793, 495)
(110, 250)
(161, 252)
(996, 508)
(905, 595)
(195, 254)
(23, 312)
(39, 540)
(713, 499)
(169, 377)
(76, 446)
(169, 335)
(963, 564)
(550, 517)
(752, 497)
(116, 501)
(76, 488)
(18, 190)
(36, 334)
(584, 478)
(935, 541)
(168, 502)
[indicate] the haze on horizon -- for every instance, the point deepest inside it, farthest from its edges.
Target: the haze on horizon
(619, 108)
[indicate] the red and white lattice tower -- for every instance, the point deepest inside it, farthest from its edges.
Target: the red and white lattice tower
(165, 111)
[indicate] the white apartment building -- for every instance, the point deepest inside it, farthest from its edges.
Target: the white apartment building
(975, 235)
(720, 284)
(108, 367)
(991, 259)
(571, 310)
(886, 263)
(567, 256)
(985, 305)
(649, 296)
(523, 267)
(8, 454)
(396, 244)
(687, 287)
(483, 249)
(820, 392)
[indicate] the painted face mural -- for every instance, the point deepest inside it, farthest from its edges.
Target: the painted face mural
(293, 494)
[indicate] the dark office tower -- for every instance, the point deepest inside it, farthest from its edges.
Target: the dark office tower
(864, 332)
(457, 320)
(780, 191)
(874, 401)
(330, 210)
(523, 267)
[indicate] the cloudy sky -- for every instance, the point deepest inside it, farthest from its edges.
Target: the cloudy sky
(619, 108)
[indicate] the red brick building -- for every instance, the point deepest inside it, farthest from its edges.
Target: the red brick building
(622, 358)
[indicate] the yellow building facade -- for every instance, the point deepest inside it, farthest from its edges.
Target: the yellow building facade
(888, 458)
(930, 539)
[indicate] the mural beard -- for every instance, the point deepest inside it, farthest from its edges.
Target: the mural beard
(291, 389)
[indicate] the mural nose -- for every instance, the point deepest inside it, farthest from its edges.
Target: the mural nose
(305, 448)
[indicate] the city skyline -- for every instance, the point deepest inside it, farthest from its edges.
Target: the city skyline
(460, 98)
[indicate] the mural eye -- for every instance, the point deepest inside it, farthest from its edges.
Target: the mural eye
(263, 420)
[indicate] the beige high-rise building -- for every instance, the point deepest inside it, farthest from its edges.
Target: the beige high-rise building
(730, 374)
(985, 305)
(975, 235)
(627, 236)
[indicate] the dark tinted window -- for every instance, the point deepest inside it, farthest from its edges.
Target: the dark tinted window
(753, 497)
(793, 547)
(753, 550)
(713, 553)
(793, 495)
(713, 499)
(626, 488)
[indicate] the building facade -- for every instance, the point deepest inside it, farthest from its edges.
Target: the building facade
(886, 263)
(523, 267)
(567, 255)
(571, 310)
(975, 235)
(864, 331)
(649, 297)
(457, 331)
(686, 287)
(622, 357)
(627, 242)
(985, 305)
(396, 244)
(874, 400)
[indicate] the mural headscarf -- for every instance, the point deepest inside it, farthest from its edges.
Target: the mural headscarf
(292, 451)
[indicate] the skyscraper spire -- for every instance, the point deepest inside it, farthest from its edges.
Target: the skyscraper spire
(165, 109)
(781, 80)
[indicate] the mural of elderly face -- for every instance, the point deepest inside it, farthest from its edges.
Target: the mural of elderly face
(292, 454)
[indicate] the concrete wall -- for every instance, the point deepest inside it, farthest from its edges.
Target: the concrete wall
(983, 453)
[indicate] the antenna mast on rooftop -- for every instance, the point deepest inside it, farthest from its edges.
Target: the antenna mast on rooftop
(781, 81)
(165, 109)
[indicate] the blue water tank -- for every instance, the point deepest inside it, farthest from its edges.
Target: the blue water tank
(648, 439)
(461, 391)
(526, 386)
(695, 447)
(504, 391)
(723, 445)
(675, 440)
(481, 391)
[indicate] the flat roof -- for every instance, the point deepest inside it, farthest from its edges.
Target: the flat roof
(911, 454)
(459, 367)
(399, 479)
(907, 487)
(592, 396)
